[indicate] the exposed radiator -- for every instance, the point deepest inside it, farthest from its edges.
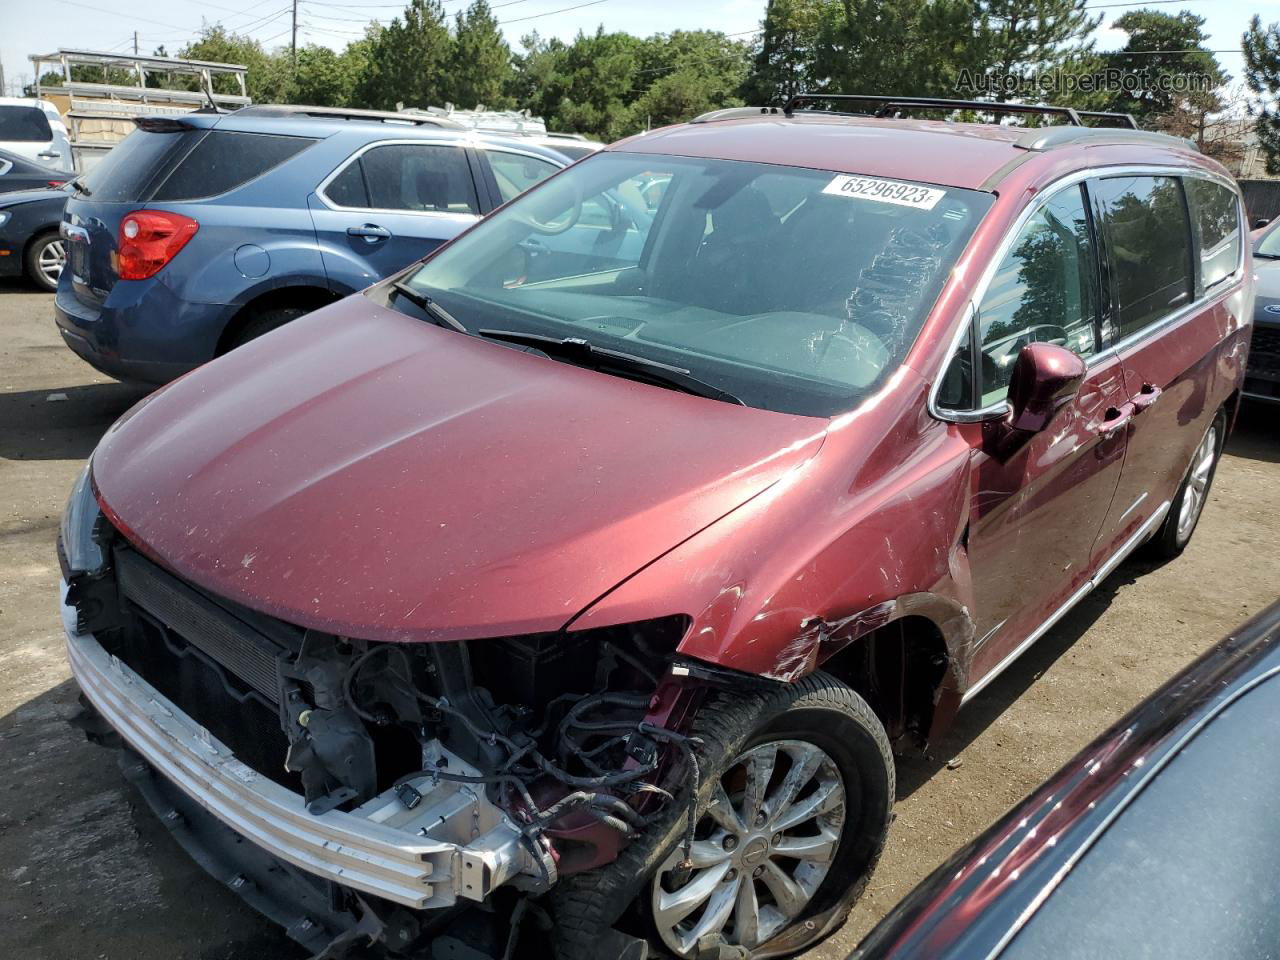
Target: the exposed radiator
(234, 645)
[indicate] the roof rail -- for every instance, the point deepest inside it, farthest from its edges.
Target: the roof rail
(347, 113)
(888, 106)
(734, 113)
(1046, 138)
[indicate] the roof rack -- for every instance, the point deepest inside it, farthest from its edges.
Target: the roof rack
(347, 113)
(888, 106)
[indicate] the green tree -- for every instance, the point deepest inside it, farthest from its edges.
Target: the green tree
(268, 79)
(1031, 37)
(1262, 77)
(787, 53)
(588, 86)
(325, 78)
(1175, 81)
(408, 60)
(480, 71)
(688, 72)
(902, 48)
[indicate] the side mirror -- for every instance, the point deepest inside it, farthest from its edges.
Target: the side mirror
(1045, 378)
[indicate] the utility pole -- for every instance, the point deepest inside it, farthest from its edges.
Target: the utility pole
(135, 43)
(293, 43)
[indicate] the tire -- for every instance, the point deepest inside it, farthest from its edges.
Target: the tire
(264, 322)
(44, 259)
(817, 712)
(1188, 504)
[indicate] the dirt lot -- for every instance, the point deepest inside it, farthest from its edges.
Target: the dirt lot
(89, 874)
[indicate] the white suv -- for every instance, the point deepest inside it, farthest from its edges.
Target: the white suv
(34, 129)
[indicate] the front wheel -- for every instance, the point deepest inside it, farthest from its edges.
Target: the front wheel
(45, 258)
(797, 789)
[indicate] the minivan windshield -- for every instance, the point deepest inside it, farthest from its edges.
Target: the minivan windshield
(792, 289)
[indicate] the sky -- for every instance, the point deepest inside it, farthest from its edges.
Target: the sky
(27, 27)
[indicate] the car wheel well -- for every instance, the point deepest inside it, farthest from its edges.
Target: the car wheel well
(308, 298)
(898, 669)
(36, 237)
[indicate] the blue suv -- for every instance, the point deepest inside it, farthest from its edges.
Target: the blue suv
(201, 232)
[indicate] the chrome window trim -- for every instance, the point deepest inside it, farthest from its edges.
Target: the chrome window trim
(1051, 190)
(503, 148)
(459, 145)
(5, 167)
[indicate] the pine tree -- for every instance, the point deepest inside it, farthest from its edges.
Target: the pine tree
(1026, 38)
(480, 70)
(409, 60)
(1169, 35)
(1262, 77)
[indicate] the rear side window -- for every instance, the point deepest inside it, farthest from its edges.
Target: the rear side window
(226, 159)
(24, 124)
(1044, 291)
(1149, 244)
(1217, 218)
(140, 160)
(420, 178)
(348, 188)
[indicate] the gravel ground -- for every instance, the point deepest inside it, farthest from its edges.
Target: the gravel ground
(91, 874)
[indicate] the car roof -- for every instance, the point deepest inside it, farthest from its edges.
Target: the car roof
(987, 891)
(966, 155)
(365, 129)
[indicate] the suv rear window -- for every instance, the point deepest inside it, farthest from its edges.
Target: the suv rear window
(133, 165)
(24, 125)
(226, 159)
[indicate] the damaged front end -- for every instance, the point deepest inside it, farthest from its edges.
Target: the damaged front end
(391, 784)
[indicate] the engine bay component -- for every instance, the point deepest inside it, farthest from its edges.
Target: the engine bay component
(417, 776)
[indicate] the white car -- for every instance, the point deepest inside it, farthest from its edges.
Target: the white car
(34, 129)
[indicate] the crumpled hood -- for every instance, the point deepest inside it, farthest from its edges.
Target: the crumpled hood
(372, 475)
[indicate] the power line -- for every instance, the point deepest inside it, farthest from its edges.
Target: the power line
(1147, 3)
(535, 16)
(117, 13)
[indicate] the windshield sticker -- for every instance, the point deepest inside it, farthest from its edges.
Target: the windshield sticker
(885, 191)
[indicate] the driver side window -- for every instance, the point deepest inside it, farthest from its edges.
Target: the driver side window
(1045, 290)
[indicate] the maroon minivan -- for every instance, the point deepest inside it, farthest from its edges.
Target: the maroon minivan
(590, 571)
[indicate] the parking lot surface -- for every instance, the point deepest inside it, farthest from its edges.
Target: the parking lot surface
(90, 873)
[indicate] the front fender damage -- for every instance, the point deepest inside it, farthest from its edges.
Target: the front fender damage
(820, 639)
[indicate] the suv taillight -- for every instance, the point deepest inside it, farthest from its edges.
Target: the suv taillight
(148, 240)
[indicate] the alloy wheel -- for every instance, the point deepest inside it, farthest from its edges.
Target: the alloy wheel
(1197, 489)
(763, 847)
(50, 261)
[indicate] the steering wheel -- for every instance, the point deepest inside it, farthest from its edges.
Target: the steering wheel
(554, 228)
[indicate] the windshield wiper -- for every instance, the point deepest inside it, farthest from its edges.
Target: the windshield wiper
(80, 188)
(583, 353)
(435, 313)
